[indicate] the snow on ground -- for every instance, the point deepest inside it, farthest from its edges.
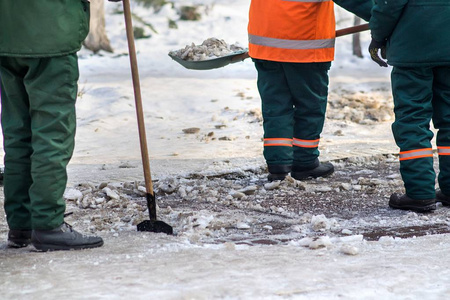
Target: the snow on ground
(162, 267)
(237, 238)
(223, 102)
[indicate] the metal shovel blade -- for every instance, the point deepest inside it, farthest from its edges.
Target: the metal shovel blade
(153, 225)
(212, 63)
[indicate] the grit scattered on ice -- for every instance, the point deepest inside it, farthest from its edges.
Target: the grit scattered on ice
(237, 236)
(242, 207)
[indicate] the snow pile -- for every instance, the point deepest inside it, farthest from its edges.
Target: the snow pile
(210, 48)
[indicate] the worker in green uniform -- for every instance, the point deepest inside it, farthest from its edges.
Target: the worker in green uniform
(39, 74)
(292, 46)
(414, 37)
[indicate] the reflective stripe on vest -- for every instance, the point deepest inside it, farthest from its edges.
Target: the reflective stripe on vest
(277, 142)
(443, 150)
(414, 154)
(306, 143)
(297, 31)
(290, 44)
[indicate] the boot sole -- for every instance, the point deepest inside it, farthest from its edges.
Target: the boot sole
(420, 209)
(16, 244)
(49, 247)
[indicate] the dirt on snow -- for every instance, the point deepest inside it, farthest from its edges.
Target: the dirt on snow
(243, 208)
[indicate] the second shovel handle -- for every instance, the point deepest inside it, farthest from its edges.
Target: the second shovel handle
(353, 29)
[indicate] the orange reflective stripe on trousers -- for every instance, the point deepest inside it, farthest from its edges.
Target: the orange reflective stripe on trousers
(306, 143)
(277, 142)
(414, 154)
(443, 150)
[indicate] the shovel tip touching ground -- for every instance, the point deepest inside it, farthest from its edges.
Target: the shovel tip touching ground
(155, 226)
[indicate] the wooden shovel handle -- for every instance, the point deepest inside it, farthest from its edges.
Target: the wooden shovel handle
(137, 96)
(353, 29)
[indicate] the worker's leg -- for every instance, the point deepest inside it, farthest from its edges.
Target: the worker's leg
(52, 87)
(16, 127)
(412, 91)
(308, 83)
(441, 120)
(278, 113)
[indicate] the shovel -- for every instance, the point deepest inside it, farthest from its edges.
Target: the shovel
(240, 55)
(153, 224)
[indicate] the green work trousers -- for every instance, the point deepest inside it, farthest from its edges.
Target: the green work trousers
(294, 101)
(38, 121)
(422, 94)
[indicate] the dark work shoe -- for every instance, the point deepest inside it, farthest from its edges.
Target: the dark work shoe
(19, 238)
(63, 238)
(322, 170)
(278, 172)
(275, 177)
(406, 203)
(441, 197)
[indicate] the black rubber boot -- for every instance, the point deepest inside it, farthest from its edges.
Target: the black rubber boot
(406, 203)
(19, 238)
(278, 172)
(319, 170)
(63, 238)
(440, 197)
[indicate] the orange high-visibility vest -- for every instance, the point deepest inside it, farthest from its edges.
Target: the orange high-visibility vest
(292, 30)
